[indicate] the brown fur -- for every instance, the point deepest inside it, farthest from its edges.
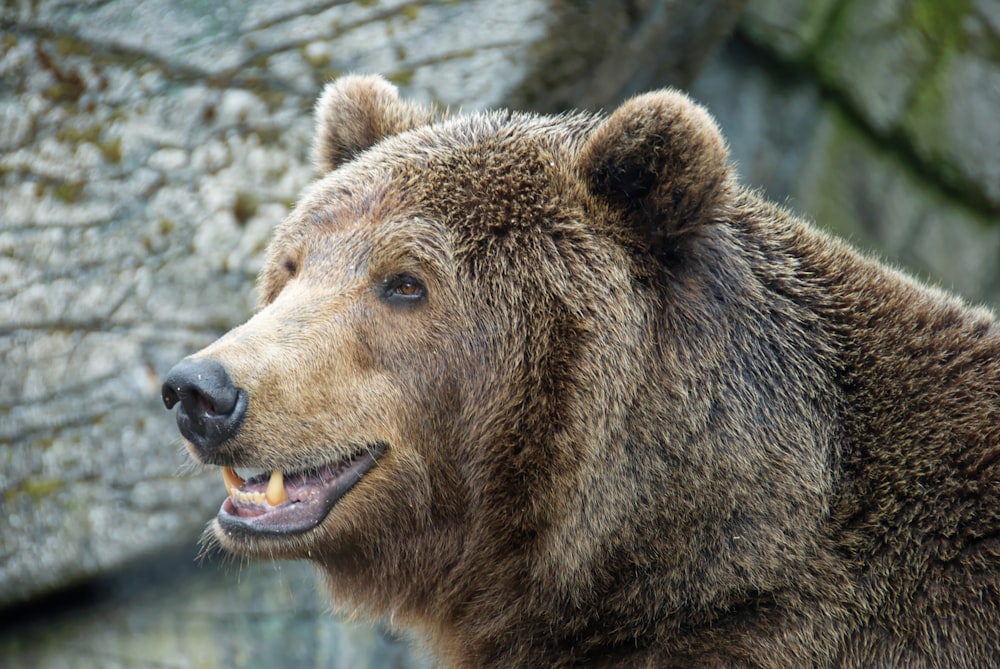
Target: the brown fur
(642, 419)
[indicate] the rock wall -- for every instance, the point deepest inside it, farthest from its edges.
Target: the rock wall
(174, 612)
(878, 119)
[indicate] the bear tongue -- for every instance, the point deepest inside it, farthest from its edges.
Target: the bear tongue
(275, 494)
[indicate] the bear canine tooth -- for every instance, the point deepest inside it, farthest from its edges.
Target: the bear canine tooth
(232, 480)
(276, 489)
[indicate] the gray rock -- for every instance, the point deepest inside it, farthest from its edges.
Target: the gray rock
(872, 197)
(806, 150)
(768, 123)
(876, 54)
(152, 147)
(956, 125)
(210, 615)
(923, 76)
(615, 53)
(792, 28)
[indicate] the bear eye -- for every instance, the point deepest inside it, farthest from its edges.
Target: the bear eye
(403, 290)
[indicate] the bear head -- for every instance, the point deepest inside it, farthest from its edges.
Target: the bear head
(500, 369)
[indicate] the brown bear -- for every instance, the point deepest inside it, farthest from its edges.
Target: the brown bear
(560, 392)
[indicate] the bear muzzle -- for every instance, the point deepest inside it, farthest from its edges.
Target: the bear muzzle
(210, 413)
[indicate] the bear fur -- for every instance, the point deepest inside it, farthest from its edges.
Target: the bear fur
(626, 413)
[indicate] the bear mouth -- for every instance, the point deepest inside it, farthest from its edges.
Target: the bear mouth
(290, 503)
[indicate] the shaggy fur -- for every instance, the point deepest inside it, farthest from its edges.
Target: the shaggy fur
(641, 418)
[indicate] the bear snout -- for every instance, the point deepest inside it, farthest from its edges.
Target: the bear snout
(211, 407)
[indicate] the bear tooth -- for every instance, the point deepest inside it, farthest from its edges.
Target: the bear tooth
(276, 493)
(232, 480)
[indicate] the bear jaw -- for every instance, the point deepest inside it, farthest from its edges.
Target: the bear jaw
(289, 503)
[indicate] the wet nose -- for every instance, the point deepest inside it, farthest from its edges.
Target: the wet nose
(211, 407)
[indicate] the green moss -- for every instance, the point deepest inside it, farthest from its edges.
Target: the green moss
(117, 114)
(69, 46)
(245, 207)
(925, 122)
(65, 91)
(38, 489)
(270, 136)
(831, 207)
(927, 113)
(220, 323)
(69, 84)
(317, 61)
(330, 74)
(940, 23)
(411, 11)
(367, 3)
(402, 77)
(273, 99)
(75, 135)
(69, 191)
(260, 60)
(111, 150)
(166, 226)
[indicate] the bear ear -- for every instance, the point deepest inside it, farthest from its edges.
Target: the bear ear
(661, 158)
(356, 112)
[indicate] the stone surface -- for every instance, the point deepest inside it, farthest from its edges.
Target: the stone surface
(791, 28)
(210, 616)
(876, 54)
(923, 75)
(956, 125)
(616, 53)
(814, 153)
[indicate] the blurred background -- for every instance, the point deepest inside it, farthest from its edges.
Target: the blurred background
(148, 147)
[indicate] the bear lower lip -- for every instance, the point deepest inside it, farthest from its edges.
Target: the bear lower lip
(310, 497)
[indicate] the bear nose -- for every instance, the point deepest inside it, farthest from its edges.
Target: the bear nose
(212, 408)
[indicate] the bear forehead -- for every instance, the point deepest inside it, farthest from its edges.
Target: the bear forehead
(487, 171)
